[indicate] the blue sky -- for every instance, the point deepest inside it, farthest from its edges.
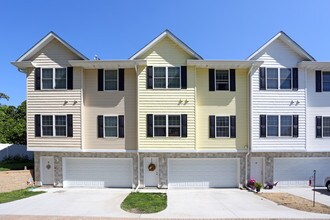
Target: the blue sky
(117, 29)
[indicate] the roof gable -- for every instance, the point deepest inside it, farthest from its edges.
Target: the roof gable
(288, 41)
(160, 37)
(43, 42)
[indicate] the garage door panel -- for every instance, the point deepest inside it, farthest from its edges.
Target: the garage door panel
(100, 172)
(202, 173)
(298, 171)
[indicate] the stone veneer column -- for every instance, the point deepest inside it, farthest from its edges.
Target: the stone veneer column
(269, 167)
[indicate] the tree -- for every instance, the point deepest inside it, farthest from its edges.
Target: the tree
(3, 96)
(13, 124)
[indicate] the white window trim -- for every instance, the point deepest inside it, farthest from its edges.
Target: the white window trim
(166, 126)
(166, 77)
(322, 81)
(279, 79)
(110, 90)
(323, 127)
(54, 124)
(215, 80)
(117, 116)
(54, 79)
(215, 125)
(279, 127)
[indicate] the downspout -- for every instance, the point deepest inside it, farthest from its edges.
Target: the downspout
(139, 182)
(249, 123)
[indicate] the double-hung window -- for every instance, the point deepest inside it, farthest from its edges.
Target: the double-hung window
(279, 125)
(167, 77)
(326, 126)
(326, 81)
(54, 78)
(279, 78)
(222, 126)
(54, 125)
(110, 80)
(167, 125)
(322, 126)
(222, 79)
(110, 126)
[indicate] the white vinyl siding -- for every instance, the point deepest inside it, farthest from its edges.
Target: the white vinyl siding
(279, 102)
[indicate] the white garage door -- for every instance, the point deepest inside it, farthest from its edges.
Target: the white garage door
(203, 173)
(298, 171)
(97, 172)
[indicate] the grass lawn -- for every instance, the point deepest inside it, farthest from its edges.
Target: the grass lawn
(4, 166)
(144, 202)
(17, 194)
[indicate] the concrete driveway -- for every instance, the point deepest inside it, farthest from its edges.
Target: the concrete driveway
(213, 203)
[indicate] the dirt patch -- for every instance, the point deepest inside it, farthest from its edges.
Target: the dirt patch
(296, 202)
(15, 180)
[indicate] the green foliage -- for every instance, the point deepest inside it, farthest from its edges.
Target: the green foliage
(13, 124)
(17, 194)
(144, 202)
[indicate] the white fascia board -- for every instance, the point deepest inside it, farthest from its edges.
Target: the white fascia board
(314, 65)
(285, 38)
(278, 150)
(191, 151)
(23, 64)
(159, 38)
(63, 149)
(43, 42)
(99, 64)
(234, 64)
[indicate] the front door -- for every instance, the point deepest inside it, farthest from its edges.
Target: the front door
(47, 170)
(257, 169)
(151, 168)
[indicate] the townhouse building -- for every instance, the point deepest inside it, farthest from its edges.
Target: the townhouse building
(167, 118)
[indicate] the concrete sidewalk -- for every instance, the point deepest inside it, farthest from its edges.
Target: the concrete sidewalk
(188, 204)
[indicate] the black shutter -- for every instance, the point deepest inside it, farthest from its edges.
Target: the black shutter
(69, 125)
(262, 125)
(121, 79)
(150, 125)
(100, 126)
(318, 126)
(37, 78)
(183, 77)
(212, 126)
(295, 79)
(184, 125)
(232, 126)
(318, 80)
(232, 80)
(121, 120)
(295, 126)
(211, 80)
(262, 78)
(37, 126)
(150, 77)
(100, 80)
(69, 81)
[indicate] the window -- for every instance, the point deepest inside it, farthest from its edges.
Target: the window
(326, 81)
(279, 78)
(54, 78)
(222, 79)
(326, 126)
(167, 125)
(167, 77)
(110, 126)
(222, 126)
(279, 125)
(110, 80)
(49, 128)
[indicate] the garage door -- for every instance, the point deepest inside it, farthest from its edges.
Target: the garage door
(203, 173)
(97, 172)
(298, 171)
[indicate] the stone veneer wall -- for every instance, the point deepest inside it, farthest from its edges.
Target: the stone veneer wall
(58, 175)
(163, 163)
(269, 160)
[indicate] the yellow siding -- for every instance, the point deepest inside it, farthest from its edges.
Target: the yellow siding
(166, 101)
(221, 103)
(109, 103)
